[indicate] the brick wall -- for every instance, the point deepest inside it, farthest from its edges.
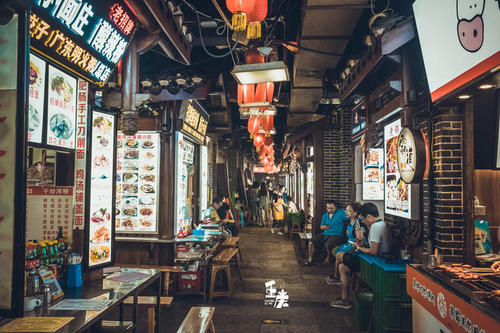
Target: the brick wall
(448, 183)
(337, 162)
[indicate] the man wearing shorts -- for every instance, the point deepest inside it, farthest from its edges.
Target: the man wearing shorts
(380, 240)
(332, 224)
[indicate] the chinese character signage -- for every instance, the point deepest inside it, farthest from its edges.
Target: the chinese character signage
(412, 157)
(47, 209)
(137, 179)
(397, 192)
(460, 40)
(276, 299)
(195, 119)
(181, 181)
(358, 120)
(88, 37)
(36, 111)
(102, 170)
(61, 113)
(373, 175)
(446, 306)
(81, 153)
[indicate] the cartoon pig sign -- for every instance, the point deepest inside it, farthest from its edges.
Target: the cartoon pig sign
(470, 27)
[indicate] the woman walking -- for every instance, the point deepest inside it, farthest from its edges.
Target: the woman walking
(263, 206)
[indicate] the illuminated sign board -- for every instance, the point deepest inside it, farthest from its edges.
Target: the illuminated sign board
(358, 120)
(194, 119)
(87, 37)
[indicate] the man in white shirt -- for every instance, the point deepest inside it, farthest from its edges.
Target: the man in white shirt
(380, 242)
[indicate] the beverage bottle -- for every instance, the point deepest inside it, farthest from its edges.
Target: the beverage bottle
(51, 253)
(26, 257)
(43, 254)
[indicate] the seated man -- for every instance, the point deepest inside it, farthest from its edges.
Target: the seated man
(332, 224)
(226, 214)
(380, 239)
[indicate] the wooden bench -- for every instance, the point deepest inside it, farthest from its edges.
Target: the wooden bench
(233, 242)
(150, 302)
(221, 262)
(198, 320)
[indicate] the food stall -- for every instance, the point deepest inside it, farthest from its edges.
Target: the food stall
(191, 165)
(462, 296)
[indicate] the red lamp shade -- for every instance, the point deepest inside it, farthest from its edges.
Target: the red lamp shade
(269, 150)
(253, 126)
(267, 124)
(270, 91)
(254, 57)
(268, 141)
(268, 168)
(260, 93)
(241, 88)
(240, 9)
(257, 15)
(258, 140)
(248, 93)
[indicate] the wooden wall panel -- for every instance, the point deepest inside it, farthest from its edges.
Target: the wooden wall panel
(487, 188)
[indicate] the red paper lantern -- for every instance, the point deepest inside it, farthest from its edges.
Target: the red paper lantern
(241, 88)
(267, 123)
(258, 140)
(270, 91)
(257, 15)
(253, 126)
(260, 93)
(268, 141)
(269, 168)
(240, 9)
(248, 93)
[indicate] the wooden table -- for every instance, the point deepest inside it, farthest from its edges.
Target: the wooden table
(116, 292)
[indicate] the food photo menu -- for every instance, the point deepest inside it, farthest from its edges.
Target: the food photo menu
(137, 180)
(101, 185)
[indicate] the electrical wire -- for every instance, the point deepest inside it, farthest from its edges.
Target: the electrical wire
(219, 56)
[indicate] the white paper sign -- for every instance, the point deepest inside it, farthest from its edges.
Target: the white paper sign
(460, 40)
(373, 175)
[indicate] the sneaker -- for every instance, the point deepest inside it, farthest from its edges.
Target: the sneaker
(280, 233)
(332, 281)
(272, 230)
(343, 304)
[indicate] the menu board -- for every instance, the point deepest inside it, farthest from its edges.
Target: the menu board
(61, 109)
(181, 181)
(373, 175)
(47, 209)
(137, 180)
(36, 110)
(397, 192)
(101, 189)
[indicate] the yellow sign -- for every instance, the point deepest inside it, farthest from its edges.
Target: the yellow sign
(36, 324)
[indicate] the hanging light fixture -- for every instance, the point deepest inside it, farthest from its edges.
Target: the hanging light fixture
(253, 126)
(258, 141)
(267, 123)
(275, 71)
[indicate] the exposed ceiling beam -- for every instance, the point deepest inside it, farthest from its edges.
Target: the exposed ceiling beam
(327, 37)
(337, 6)
(168, 27)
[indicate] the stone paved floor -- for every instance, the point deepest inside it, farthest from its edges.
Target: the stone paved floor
(270, 257)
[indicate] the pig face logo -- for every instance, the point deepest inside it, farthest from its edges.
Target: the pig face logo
(470, 27)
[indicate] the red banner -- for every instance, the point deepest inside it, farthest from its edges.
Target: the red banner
(448, 308)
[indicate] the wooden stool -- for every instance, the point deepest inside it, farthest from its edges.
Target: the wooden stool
(198, 320)
(233, 242)
(150, 302)
(295, 229)
(221, 262)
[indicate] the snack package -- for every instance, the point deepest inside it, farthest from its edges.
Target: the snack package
(482, 237)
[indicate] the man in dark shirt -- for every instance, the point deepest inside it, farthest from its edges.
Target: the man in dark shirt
(225, 213)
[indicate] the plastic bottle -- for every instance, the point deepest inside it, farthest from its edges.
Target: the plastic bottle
(51, 253)
(44, 260)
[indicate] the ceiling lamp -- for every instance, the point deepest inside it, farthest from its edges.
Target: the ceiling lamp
(486, 86)
(275, 71)
(258, 141)
(464, 97)
(253, 126)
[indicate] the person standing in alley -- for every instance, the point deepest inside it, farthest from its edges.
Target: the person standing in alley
(278, 214)
(263, 205)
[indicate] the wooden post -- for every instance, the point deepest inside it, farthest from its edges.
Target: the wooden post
(319, 188)
(468, 176)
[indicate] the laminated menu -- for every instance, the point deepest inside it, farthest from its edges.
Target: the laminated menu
(137, 182)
